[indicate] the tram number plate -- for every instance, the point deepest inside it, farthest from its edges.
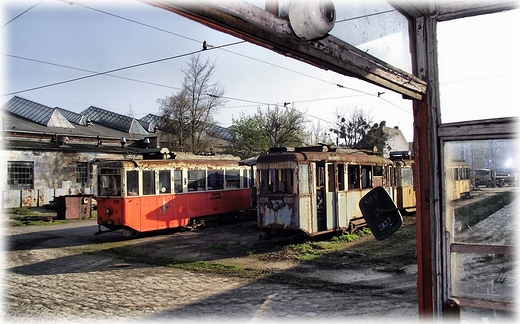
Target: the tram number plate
(379, 211)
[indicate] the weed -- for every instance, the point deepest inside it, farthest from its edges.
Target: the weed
(223, 246)
(210, 267)
(21, 211)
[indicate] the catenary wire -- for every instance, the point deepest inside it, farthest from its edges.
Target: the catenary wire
(192, 39)
(90, 71)
(255, 59)
(117, 70)
(21, 13)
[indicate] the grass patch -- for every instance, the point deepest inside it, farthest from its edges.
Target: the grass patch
(27, 216)
(225, 246)
(37, 222)
(221, 269)
(21, 211)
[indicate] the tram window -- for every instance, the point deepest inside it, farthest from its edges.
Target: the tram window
(281, 181)
(232, 179)
(109, 182)
(132, 183)
(320, 176)
(165, 182)
(177, 181)
(148, 182)
(406, 177)
(196, 180)
(245, 178)
(341, 177)
(378, 171)
(304, 179)
(389, 181)
(262, 181)
(330, 175)
(366, 176)
(215, 180)
(353, 177)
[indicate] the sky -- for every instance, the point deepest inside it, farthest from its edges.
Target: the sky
(48, 44)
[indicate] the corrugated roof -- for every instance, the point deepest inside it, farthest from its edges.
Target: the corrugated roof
(116, 121)
(218, 131)
(151, 121)
(37, 113)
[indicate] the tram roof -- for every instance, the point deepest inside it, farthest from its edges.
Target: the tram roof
(326, 154)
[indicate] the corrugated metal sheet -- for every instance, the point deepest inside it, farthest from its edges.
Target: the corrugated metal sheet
(37, 113)
(116, 121)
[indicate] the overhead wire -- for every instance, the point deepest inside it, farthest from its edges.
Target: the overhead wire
(255, 59)
(115, 70)
(108, 73)
(90, 71)
(17, 16)
(365, 16)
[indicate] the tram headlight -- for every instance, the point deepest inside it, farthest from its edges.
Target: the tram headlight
(108, 211)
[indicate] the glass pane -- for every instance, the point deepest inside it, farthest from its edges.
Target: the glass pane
(216, 180)
(132, 183)
(148, 182)
(476, 67)
(304, 179)
(165, 181)
(484, 276)
(375, 27)
(480, 192)
(177, 180)
(480, 180)
(232, 178)
(196, 180)
(481, 315)
(109, 185)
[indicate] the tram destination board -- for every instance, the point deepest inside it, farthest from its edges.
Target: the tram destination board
(379, 211)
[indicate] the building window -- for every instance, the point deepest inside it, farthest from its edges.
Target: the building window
(20, 175)
(81, 174)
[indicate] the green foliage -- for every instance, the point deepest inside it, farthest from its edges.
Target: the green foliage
(348, 237)
(274, 127)
(210, 267)
(376, 137)
(248, 136)
(364, 231)
(21, 211)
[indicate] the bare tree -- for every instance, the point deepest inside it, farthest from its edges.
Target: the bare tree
(353, 127)
(187, 115)
(318, 134)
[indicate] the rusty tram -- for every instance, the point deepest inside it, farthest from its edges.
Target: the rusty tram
(316, 190)
(146, 195)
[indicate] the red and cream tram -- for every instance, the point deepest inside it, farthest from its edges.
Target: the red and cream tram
(316, 189)
(147, 195)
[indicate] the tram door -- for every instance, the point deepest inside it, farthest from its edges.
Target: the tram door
(326, 196)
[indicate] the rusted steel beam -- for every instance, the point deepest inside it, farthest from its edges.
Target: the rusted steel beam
(262, 28)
